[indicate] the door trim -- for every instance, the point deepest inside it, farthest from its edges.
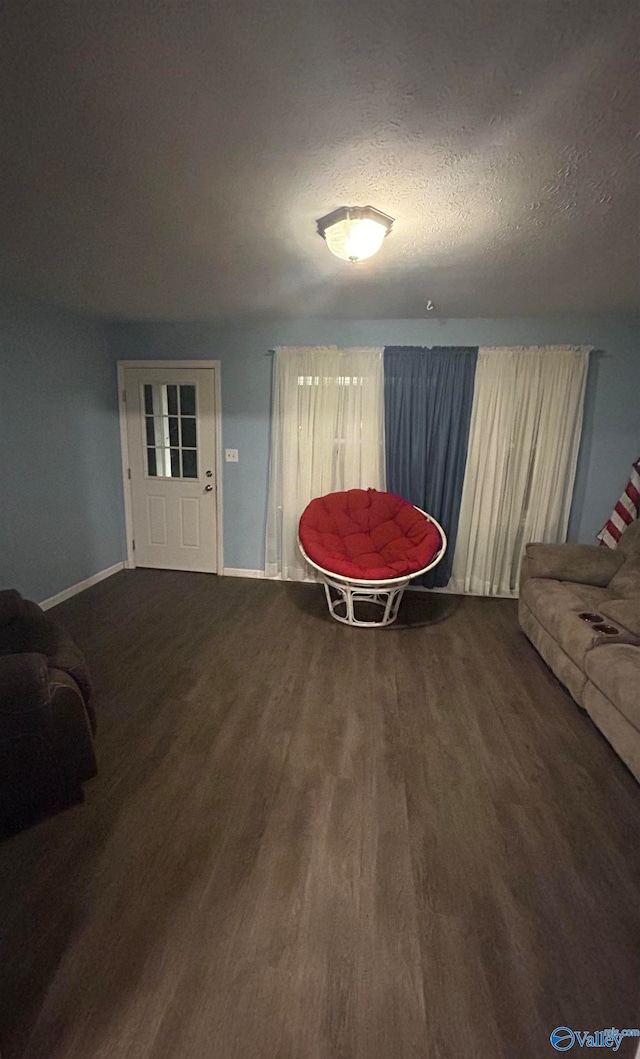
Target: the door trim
(122, 365)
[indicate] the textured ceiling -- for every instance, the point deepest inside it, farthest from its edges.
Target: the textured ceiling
(169, 159)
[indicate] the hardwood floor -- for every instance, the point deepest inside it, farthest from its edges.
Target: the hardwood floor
(314, 842)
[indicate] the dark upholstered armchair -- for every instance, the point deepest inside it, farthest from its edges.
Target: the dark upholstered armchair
(47, 721)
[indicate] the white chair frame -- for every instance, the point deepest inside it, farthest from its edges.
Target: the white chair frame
(385, 594)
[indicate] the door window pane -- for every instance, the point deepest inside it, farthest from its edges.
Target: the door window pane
(174, 435)
(170, 430)
(187, 400)
(189, 463)
(188, 433)
(172, 399)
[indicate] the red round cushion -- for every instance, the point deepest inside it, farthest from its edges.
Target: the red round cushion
(368, 535)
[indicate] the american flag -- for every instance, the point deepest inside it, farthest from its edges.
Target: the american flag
(625, 511)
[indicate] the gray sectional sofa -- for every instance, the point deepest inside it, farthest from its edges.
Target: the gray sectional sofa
(564, 590)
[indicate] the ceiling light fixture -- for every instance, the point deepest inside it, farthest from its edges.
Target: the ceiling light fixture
(354, 233)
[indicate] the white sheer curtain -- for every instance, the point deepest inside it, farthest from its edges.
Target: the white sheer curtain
(327, 434)
(526, 423)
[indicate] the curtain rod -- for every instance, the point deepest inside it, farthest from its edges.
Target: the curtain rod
(591, 349)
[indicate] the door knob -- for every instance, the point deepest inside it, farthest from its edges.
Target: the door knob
(208, 488)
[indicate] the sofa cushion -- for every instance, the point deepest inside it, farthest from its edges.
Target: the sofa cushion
(615, 671)
(624, 612)
(558, 610)
(583, 563)
(626, 582)
(629, 544)
(589, 596)
(551, 601)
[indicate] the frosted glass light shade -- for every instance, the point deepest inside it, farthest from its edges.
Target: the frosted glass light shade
(354, 233)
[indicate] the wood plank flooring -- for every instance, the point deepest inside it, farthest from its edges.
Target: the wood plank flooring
(314, 842)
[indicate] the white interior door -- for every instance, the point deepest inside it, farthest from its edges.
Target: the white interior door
(171, 439)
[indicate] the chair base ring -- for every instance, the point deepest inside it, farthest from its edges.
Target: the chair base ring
(347, 594)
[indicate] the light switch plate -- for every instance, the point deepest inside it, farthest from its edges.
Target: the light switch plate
(231, 455)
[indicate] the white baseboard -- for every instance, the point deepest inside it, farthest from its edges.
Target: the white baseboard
(233, 571)
(67, 593)
(452, 592)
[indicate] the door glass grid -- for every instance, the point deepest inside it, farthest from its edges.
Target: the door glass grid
(170, 430)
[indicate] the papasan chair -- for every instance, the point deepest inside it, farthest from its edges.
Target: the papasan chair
(368, 545)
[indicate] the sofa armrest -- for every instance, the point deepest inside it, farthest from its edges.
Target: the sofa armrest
(46, 749)
(68, 727)
(35, 631)
(587, 564)
(69, 658)
(24, 681)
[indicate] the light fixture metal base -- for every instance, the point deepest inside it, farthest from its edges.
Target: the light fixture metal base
(354, 213)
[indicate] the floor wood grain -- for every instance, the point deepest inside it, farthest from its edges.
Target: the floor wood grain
(314, 842)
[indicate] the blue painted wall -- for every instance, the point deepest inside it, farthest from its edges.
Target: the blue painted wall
(61, 509)
(611, 436)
